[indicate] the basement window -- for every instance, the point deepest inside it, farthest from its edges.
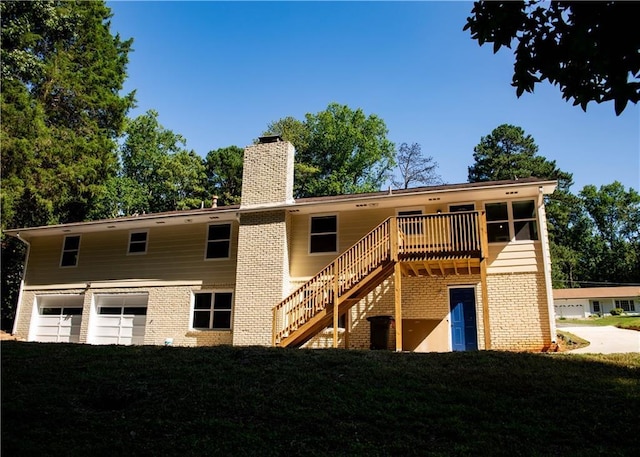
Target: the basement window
(323, 236)
(212, 310)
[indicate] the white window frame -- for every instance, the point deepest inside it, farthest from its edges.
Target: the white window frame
(77, 251)
(511, 221)
(146, 242)
(212, 310)
(629, 303)
(311, 217)
(207, 241)
(462, 204)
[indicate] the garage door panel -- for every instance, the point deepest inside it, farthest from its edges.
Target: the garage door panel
(59, 319)
(120, 320)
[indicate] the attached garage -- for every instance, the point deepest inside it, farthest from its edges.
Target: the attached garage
(58, 319)
(119, 319)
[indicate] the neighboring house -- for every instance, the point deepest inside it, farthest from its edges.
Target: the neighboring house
(458, 267)
(579, 303)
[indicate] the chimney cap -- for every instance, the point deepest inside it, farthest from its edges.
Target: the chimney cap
(269, 139)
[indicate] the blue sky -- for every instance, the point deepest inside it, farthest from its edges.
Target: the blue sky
(219, 72)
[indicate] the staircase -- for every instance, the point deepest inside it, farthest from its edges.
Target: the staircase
(364, 266)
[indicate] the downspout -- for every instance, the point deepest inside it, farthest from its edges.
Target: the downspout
(21, 290)
(546, 261)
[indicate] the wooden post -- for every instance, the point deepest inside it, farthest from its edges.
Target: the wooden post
(393, 237)
(336, 291)
(397, 279)
(484, 243)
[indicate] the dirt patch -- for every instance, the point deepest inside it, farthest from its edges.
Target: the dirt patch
(4, 336)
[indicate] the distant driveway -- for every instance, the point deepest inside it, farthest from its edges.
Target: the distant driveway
(605, 340)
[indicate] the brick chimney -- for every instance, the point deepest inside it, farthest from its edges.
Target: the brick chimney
(267, 176)
(262, 274)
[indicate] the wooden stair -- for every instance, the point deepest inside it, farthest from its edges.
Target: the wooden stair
(414, 240)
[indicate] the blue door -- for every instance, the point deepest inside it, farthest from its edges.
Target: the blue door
(464, 333)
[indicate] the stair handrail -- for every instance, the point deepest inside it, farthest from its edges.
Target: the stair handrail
(318, 292)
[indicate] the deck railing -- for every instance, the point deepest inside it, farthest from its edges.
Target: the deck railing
(396, 238)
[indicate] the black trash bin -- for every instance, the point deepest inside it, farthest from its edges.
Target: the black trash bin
(379, 337)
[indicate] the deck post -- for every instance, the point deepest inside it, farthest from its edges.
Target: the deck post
(484, 243)
(397, 280)
(336, 291)
(393, 238)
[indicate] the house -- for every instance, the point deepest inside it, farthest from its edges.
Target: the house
(453, 267)
(581, 303)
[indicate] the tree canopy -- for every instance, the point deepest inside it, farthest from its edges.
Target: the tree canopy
(591, 50)
(338, 151)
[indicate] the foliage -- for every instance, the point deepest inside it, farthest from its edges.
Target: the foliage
(224, 172)
(617, 311)
(622, 320)
(414, 167)
(338, 151)
(62, 112)
(263, 401)
(590, 50)
(158, 173)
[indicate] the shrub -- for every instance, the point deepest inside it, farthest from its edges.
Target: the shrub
(617, 311)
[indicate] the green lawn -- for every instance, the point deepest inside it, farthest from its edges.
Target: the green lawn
(82, 400)
(628, 322)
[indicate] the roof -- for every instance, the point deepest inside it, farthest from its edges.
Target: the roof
(390, 197)
(597, 292)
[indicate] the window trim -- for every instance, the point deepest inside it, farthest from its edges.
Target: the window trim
(207, 241)
(63, 250)
(311, 216)
(212, 310)
(462, 204)
(146, 242)
(511, 221)
(410, 209)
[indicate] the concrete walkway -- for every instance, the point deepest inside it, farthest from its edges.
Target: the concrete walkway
(605, 340)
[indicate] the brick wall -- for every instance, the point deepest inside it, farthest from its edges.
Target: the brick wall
(262, 278)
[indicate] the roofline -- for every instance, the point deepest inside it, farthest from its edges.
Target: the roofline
(547, 187)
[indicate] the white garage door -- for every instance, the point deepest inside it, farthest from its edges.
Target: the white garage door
(59, 319)
(121, 319)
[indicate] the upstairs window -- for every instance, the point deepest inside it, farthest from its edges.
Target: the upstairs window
(70, 251)
(218, 241)
(323, 234)
(137, 243)
(507, 221)
(212, 310)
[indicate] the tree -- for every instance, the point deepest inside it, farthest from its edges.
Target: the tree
(615, 230)
(224, 173)
(338, 151)
(589, 49)
(62, 112)
(157, 171)
(414, 167)
(509, 153)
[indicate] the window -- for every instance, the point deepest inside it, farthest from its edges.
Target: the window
(323, 236)
(212, 310)
(596, 306)
(524, 220)
(511, 221)
(462, 208)
(137, 243)
(626, 305)
(218, 241)
(70, 251)
(411, 226)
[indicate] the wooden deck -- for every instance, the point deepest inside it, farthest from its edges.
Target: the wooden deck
(427, 245)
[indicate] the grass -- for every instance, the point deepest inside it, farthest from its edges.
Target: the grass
(79, 400)
(568, 341)
(626, 322)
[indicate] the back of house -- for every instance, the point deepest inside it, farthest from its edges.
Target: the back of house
(441, 268)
